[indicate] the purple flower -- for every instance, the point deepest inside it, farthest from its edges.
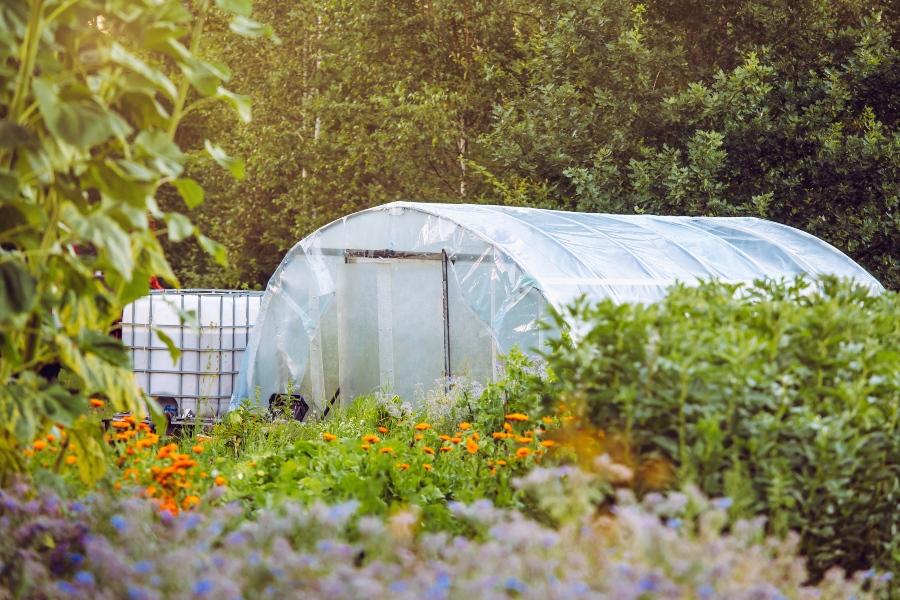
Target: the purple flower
(75, 558)
(704, 591)
(66, 588)
(673, 523)
(514, 584)
(143, 567)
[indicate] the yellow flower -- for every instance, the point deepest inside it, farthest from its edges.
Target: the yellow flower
(365, 446)
(120, 424)
(387, 450)
(419, 437)
(547, 420)
(455, 440)
(428, 450)
(523, 452)
(371, 439)
(403, 466)
(422, 426)
(507, 427)
(471, 446)
(446, 448)
(516, 417)
(71, 459)
(524, 440)
(190, 501)
(476, 436)
(444, 438)
(548, 443)
(500, 463)
(329, 437)
(465, 426)
(498, 435)
(427, 467)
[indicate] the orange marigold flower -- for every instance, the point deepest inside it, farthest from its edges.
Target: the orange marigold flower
(455, 440)
(117, 486)
(51, 438)
(516, 417)
(419, 437)
(71, 459)
(548, 443)
(465, 425)
(475, 436)
(422, 426)
(97, 403)
(427, 467)
(547, 420)
(507, 427)
(203, 474)
(523, 452)
(28, 452)
(371, 439)
(39, 445)
(382, 429)
(444, 438)
(471, 446)
(446, 448)
(365, 446)
(198, 449)
(219, 480)
(428, 450)
(524, 440)
(492, 470)
(498, 435)
(329, 437)
(190, 501)
(120, 424)
(500, 463)
(403, 466)
(150, 491)
(387, 450)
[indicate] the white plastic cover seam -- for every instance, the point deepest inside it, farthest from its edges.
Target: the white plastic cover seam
(316, 364)
(804, 266)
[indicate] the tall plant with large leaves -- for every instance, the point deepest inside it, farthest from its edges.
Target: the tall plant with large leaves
(91, 95)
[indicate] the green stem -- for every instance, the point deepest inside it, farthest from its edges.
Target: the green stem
(185, 86)
(26, 61)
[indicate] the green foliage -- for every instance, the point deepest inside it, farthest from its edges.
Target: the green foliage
(88, 111)
(784, 110)
(785, 399)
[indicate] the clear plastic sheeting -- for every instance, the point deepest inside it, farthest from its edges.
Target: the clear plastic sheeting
(404, 295)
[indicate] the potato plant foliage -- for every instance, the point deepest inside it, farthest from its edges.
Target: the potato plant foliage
(91, 95)
(785, 400)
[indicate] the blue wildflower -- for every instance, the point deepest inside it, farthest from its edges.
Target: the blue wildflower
(66, 588)
(77, 507)
(192, 521)
(75, 558)
(398, 587)
(674, 523)
(887, 576)
(514, 584)
(704, 591)
(723, 503)
(143, 567)
(84, 577)
(203, 586)
(443, 581)
(137, 593)
(647, 584)
(119, 522)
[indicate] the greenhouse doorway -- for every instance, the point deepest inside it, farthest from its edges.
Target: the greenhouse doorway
(392, 306)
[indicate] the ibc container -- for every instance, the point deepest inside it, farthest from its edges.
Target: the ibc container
(200, 381)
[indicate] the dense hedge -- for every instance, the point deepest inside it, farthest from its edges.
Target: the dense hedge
(784, 400)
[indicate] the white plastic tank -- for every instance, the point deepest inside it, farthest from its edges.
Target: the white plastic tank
(199, 383)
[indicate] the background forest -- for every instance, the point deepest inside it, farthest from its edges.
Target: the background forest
(783, 109)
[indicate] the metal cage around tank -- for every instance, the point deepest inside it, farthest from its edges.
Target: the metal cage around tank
(200, 382)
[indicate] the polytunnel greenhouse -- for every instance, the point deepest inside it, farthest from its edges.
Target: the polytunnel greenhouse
(403, 296)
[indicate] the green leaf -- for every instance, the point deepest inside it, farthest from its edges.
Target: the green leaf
(80, 122)
(9, 185)
(236, 7)
(163, 153)
(105, 233)
(13, 135)
(190, 192)
(240, 103)
(121, 56)
(174, 351)
(234, 165)
(106, 347)
(17, 288)
(250, 28)
(179, 226)
(213, 248)
(92, 456)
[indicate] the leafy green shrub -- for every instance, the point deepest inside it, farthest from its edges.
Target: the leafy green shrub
(784, 399)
